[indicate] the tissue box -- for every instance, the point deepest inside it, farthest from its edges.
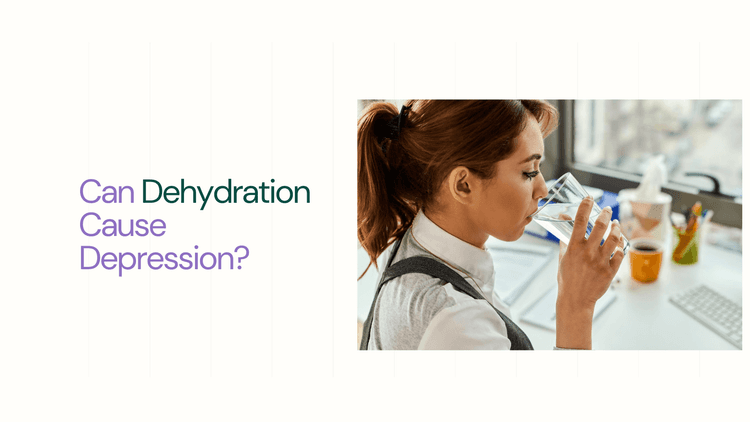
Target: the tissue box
(641, 218)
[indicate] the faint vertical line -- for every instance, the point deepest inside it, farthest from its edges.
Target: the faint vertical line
(516, 98)
(88, 207)
(272, 283)
(149, 208)
(333, 209)
(211, 210)
(699, 70)
(699, 364)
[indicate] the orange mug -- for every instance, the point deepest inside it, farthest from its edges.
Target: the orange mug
(645, 259)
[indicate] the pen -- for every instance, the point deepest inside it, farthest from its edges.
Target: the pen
(695, 212)
(697, 209)
(706, 217)
(685, 212)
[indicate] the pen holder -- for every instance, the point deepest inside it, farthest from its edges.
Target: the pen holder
(685, 247)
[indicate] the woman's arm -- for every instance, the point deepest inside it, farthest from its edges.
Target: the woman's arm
(573, 327)
(585, 274)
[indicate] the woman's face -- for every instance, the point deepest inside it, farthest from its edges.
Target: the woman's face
(507, 200)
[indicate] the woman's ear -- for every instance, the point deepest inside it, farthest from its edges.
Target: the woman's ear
(462, 184)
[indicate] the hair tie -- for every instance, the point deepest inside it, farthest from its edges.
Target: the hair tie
(402, 119)
(392, 129)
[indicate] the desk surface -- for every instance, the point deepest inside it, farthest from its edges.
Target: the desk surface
(641, 318)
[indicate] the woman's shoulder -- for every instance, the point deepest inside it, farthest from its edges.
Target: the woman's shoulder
(405, 307)
(407, 304)
(417, 293)
(420, 296)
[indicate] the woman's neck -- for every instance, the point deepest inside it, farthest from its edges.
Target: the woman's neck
(459, 226)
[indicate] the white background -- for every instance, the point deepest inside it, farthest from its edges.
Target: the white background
(205, 93)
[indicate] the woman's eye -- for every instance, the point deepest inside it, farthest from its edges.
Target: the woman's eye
(531, 175)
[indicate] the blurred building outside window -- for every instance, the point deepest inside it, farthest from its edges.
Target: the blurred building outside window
(703, 136)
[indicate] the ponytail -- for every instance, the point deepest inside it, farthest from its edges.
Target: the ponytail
(383, 214)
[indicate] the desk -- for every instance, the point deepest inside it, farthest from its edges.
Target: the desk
(641, 318)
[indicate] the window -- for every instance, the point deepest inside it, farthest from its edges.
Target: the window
(703, 136)
(608, 143)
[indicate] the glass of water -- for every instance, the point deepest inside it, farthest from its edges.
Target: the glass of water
(564, 197)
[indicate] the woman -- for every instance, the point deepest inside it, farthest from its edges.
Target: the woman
(437, 179)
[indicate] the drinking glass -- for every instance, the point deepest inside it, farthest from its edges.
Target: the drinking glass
(564, 197)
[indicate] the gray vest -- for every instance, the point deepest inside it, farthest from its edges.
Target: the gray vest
(436, 269)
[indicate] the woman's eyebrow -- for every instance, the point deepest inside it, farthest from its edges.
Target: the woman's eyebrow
(533, 157)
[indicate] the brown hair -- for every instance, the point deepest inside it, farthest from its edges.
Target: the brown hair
(397, 177)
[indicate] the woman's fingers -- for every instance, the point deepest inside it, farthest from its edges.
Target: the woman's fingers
(616, 260)
(563, 245)
(613, 240)
(600, 227)
(582, 220)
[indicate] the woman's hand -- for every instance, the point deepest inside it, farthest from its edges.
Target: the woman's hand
(585, 274)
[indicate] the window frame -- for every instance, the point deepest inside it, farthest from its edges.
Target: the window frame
(559, 160)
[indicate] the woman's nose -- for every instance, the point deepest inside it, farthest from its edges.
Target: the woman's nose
(540, 187)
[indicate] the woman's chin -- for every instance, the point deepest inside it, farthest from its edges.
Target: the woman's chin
(510, 237)
(518, 236)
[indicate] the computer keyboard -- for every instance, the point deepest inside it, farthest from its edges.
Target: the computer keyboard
(714, 311)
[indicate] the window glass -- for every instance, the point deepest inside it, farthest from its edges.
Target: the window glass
(703, 136)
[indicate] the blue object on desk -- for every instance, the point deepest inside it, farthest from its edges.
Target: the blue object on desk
(607, 199)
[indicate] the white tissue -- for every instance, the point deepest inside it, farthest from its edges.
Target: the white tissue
(654, 178)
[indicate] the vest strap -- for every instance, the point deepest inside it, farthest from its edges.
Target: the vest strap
(437, 269)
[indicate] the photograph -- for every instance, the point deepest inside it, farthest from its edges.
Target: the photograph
(549, 225)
